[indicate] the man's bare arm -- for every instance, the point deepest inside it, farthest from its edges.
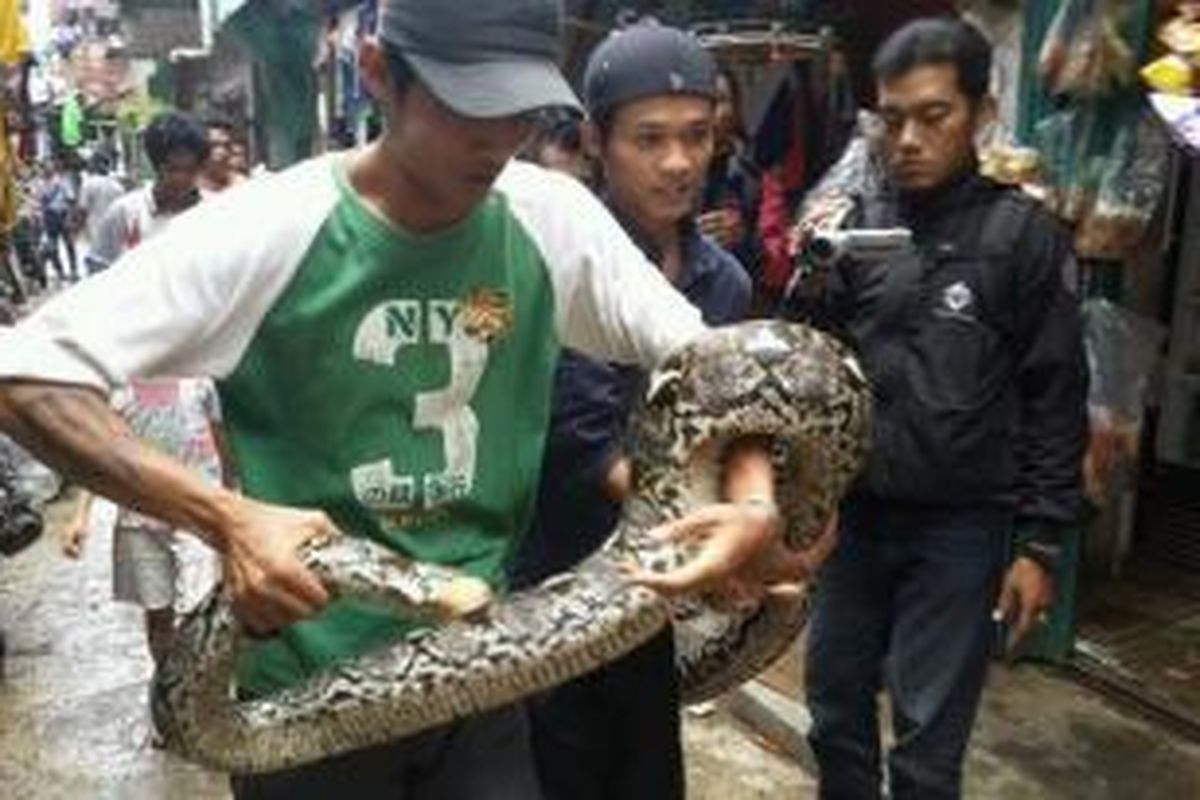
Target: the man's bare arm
(73, 430)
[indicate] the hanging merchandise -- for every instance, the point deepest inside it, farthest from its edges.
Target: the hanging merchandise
(1084, 53)
(1182, 33)
(1104, 162)
(1182, 118)
(1131, 185)
(858, 173)
(1064, 140)
(1106, 174)
(1172, 74)
(283, 38)
(14, 41)
(70, 131)
(1176, 72)
(1122, 351)
(8, 179)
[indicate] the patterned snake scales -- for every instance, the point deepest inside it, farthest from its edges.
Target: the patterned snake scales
(784, 381)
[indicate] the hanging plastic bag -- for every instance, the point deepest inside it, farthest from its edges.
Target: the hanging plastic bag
(1084, 52)
(1131, 187)
(1064, 141)
(859, 172)
(1122, 353)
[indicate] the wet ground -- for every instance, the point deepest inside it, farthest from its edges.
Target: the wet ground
(1141, 635)
(1041, 735)
(73, 723)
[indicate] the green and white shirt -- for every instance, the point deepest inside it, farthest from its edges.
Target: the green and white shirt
(399, 382)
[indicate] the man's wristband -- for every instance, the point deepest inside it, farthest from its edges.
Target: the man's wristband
(1040, 542)
(763, 505)
(1045, 555)
(759, 501)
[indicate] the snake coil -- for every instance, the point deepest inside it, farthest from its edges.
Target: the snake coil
(787, 382)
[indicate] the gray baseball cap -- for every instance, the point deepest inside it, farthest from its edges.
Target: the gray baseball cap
(482, 58)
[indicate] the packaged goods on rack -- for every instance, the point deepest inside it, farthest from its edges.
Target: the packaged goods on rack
(1085, 53)
(1064, 140)
(1016, 166)
(1176, 72)
(1122, 350)
(1105, 171)
(1128, 195)
(1171, 74)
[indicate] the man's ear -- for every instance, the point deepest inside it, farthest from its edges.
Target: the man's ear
(372, 66)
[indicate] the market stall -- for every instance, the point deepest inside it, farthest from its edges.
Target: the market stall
(1108, 165)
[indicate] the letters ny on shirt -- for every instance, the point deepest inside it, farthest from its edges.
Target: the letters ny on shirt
(383, 338)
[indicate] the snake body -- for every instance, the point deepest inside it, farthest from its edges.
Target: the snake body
(770, 379)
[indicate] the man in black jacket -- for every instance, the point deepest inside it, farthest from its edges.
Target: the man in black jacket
(973, 345)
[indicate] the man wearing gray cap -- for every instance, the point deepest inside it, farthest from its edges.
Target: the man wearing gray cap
(382, 327)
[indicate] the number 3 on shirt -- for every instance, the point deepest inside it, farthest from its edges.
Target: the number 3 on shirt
(381, 339)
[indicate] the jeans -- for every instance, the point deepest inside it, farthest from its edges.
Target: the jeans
(485, 757)
(57, 227)
(903, 604)
(613, 734)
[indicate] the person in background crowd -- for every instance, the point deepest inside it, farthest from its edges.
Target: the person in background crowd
(733, 188)
(239, 158)
(219, 173)
(56, 200)
(973, 344)
(154, 566)
(177, 148)
(651, 92)
(384, 337)
(26, 233)
(97, 192)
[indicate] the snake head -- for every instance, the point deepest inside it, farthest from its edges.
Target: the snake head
(461, 596)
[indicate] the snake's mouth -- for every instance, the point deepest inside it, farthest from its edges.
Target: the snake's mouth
(465, 597)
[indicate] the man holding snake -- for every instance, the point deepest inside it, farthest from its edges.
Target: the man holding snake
(382, 327)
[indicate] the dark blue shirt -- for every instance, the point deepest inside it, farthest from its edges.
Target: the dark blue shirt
(589, 416)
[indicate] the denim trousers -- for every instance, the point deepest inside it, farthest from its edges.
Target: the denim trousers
(903, 606)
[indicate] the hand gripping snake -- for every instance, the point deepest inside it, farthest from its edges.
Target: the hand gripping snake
(787, 382)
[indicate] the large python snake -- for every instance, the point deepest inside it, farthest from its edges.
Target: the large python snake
(771, 379)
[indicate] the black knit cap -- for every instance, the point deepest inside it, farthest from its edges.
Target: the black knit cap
(646, 59)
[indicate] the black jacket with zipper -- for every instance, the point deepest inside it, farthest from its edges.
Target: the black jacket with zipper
(974, 348)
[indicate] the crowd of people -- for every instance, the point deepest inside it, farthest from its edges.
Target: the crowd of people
(92, 219)
(327, 306)
(63, 228)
